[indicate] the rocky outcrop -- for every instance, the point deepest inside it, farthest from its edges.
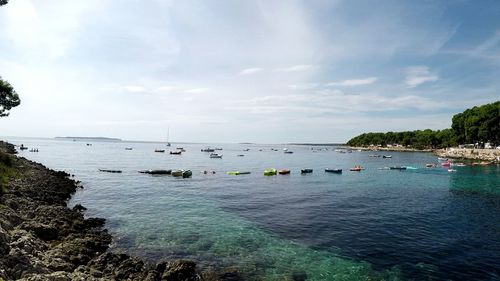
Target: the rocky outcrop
(42, 239)
(489, 155)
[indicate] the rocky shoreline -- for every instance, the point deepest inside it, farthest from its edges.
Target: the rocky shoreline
(489, 155)
(42, 239)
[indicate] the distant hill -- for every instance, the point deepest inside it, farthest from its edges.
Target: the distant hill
(89, 138)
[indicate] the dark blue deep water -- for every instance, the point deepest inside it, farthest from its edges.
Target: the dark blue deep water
(422, 224)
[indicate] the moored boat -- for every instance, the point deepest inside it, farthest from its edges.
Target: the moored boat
(236, 173)
(270, 172)
(288, 152)
(110, 171)
(336, 171)
(386, 156)
(356, 168)
(215, 155)
(128, 148)
(177, 173)
(187, 174)
(208, 149)
(284, 172)
(397, 168)
(430, 165)
(156, 172)
(176, 152)
(306, 171)
(160, 150)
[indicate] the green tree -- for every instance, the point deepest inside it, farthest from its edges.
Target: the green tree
(8, 97)
(3, 2)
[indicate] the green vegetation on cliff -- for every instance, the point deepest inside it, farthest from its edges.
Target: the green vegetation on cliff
(477, 124)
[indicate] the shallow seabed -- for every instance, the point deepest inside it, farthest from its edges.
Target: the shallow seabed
(423, 224)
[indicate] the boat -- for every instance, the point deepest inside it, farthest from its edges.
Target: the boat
(33, 150)
(240, 155)
(270, 172)
(442, 159)
(246, 149)
(356, 168)
(187, 174)
(236, 173)
(373, 155)
(218, 148)
(336, 171)
(179, 148)
(459, 164)
(411, 168)
(156, 172)
(177, 173)
(306, 171)
(446, 164)
(430, 165)
(451, 170)
(176, 152)
(109, 171)
(128, 148)
(215, 155)
(168, 135)
(284, 172)
(160, 150)
(288, 152)
(397, 168)
(386, 156)
(208, 149)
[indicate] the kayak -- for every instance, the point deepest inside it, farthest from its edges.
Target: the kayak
(236, 173)
(284, 172)
(270, 172)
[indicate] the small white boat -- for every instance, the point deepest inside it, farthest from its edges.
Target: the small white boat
(215, 155)
(452, 170)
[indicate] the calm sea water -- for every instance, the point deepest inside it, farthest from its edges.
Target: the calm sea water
(424, 224)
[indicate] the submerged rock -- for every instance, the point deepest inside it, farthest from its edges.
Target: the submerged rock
(42, 239)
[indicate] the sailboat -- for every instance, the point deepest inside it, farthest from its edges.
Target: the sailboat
(168, 133)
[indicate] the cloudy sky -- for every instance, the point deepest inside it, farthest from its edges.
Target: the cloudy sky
(245, 71)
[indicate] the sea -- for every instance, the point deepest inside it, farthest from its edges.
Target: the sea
(376, 224)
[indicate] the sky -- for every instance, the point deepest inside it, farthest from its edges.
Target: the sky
(245, 71)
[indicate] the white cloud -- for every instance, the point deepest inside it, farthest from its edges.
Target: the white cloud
(163, 89)
(197, 90)
(134, 89)
(294, 68)
(417, 75)
(354, 82)
(251, 70)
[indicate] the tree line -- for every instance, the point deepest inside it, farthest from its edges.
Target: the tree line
(480, 124)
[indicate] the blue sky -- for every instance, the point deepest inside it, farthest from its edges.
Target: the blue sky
(245, 71)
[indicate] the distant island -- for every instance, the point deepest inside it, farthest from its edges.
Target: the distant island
(477, 127)
(89, 138)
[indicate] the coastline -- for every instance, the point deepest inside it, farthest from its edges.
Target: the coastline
(41, 238)
(489, 155)
(398, 149)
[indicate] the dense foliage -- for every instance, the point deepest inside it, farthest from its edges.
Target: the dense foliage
(8, 98)
(479, 124)
(3, 2)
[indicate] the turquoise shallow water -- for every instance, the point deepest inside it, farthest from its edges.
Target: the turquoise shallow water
(424, 224)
